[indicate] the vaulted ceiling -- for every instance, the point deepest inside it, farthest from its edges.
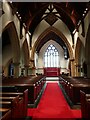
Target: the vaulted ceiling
(71, 13)
(32, 13)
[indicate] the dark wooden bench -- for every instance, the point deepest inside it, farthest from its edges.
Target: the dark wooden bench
(75, 91)
(5, 104)
(34, 86)
(11, 105)
(7, 98)
(4, 110)
(10, 94)
(34, 90)
(88, 108)
(85, 104)
(66, 84)
(6, 115)
(17, 106)
(72, 87)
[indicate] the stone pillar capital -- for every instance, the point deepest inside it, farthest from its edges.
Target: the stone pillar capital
(26, 66)
(31, 60)
(72, 59)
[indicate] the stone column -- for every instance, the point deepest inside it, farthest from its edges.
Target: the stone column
(72, 67)
(26, 70)
(78, 70)
(75, 69)
(88, 69)
(32, 67)
(16, 69)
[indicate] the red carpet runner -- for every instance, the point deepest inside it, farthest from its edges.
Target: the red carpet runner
(53, 105)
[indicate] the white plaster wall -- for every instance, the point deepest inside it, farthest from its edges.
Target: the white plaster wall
(23, 38)
(81, 37)
(27, 36)
(75, 41)
(6, 18)
(6, 55)
(36, 60)
(60, 25)
(63, 63)
(42, 26)
(17, 25)
(78, 34)
(87, 22)
(28, 42)
(75, 38)
(86, 25)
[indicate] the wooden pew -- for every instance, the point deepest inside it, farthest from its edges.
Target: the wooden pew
(8, 104)
(8, 88)
(88, 108)
(5, 105)
(7, 115)
(75, 91)
(31, 91)
(34, 85)
(10, 94)
(3, 110)
(73, 86)
(66, 84)
(7, 98)
(17, 106)
(85, 108)
(22, 79)
(16, 112)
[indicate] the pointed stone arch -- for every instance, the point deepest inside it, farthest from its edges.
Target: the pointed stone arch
(26, 53)
(78, 56)
(87, 45)
(87, 51)
(77, 50)
(15, 46)
(64, 39)
(57, 32)
(25, 56)
(14, 40)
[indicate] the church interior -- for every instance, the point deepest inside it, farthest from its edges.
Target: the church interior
(45, 63)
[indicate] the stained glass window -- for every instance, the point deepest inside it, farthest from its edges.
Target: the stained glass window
(51, 57)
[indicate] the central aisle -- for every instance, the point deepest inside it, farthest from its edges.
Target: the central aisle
(53, 104)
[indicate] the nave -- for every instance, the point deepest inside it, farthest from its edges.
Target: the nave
(53, 105)
(40, 40)
(39, 97)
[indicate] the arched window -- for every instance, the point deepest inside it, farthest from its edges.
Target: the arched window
(51, 57)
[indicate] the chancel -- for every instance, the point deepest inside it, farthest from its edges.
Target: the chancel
(45, 60)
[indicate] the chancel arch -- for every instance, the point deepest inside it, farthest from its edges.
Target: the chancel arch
(47, 35)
